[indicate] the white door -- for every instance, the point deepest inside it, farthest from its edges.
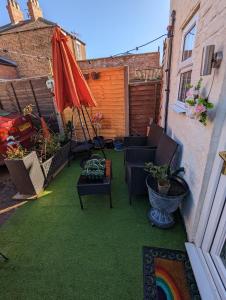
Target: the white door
(209, 260)
(218, 250)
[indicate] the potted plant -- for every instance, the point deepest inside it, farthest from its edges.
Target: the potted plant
(94, 170)
(164, 204)
(53, 152)
(25, 172)
(197, 106)
(160, 174)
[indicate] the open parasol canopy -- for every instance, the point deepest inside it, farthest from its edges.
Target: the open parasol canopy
(70, 87)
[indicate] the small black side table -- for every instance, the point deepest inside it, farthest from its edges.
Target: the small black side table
(85, 187)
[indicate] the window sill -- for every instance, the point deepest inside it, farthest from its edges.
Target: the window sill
(179, 107)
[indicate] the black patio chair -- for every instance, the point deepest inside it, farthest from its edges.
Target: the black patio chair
(137, 157)
(149, 141)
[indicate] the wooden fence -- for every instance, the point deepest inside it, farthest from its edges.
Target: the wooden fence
(16, 94)
(144, 103)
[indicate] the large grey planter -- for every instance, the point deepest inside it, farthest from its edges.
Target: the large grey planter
(163, 206)
(54, 164)
(26, 175)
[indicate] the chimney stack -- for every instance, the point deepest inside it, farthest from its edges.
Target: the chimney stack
(14, 11)
(34, 9)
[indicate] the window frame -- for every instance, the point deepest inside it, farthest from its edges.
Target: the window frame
(187, 64)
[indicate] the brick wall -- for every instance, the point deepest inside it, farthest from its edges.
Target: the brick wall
(35, 42)
(110, 94)
(8, 72)
(133, 61)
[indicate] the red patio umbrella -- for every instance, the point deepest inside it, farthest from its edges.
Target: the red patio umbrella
(70, 86)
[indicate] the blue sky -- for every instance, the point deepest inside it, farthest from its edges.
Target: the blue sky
(107, 26)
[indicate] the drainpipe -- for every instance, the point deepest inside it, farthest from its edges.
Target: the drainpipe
(169, 62)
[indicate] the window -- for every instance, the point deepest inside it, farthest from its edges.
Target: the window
(185, 80)
(189, 41)
(185, 71)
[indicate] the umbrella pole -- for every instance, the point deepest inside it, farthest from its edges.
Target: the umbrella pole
(83, 130)
(87, 128)
(94, 129)
(71, 134)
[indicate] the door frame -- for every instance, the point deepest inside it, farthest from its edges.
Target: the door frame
(208, 280)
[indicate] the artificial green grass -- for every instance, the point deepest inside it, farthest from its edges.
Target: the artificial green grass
(58, 251)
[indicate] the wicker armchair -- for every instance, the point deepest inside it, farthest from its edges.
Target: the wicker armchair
(137, 157)
(149, 141)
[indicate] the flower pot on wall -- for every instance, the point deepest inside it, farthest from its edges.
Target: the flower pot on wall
(26, 175)
(190, 112)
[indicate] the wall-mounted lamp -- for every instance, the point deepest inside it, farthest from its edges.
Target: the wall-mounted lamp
(210, 59)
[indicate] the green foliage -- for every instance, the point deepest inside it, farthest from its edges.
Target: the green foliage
(205, 102)
(16, 152)
(191, 102)
(198, 85)
(46, 147)
(94, 169)
(160, 173)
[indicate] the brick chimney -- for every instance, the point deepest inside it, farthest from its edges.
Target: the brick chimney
(14, 11)
(34, 9)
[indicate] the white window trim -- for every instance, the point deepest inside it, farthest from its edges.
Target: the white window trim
(186, 65)
(186, 29)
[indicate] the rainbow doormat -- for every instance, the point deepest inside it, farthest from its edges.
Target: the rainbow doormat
(168, 275)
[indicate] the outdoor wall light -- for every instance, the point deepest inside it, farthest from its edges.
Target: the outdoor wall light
(210, 59)
(50, 83)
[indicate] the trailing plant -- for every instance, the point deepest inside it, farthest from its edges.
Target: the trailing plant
(200, 106)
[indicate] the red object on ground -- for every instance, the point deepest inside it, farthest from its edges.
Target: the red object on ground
(17, 126)
(70, 86)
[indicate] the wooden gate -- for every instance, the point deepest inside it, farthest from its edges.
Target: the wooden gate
(18, 93)
(144, 103)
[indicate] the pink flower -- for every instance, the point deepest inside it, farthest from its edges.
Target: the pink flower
(200, 108)
(189, 93)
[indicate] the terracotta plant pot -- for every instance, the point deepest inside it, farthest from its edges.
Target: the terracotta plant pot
(163, 186)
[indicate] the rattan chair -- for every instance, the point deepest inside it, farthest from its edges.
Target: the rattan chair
(136, 158)
(149, 141)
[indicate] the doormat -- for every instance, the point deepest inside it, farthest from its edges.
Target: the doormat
(168, 275)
